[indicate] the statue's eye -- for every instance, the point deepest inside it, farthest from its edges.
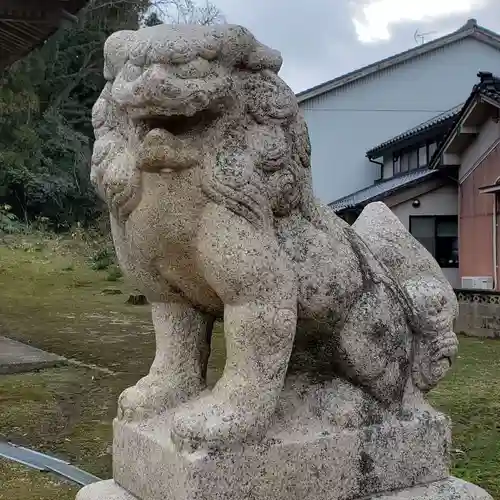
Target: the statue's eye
(130, 72)
(198, 68)
(138, 53)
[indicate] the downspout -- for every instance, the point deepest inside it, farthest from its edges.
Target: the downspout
(495, 263)
(459, 229)
(380, 164)
(459, 223)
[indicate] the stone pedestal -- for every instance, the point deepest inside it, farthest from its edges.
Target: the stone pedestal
(312, 463)
(330, 442)
(447, 489)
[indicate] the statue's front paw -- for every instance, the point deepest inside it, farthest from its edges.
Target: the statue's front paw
(215, 423)
(151, 396)
(141, 401)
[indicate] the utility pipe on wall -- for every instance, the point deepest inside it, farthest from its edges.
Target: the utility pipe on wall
(495, 235)
(380, 164)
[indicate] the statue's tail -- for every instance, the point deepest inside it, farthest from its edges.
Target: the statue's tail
(430, 300)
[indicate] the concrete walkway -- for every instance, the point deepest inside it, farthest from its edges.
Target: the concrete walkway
(16, 357)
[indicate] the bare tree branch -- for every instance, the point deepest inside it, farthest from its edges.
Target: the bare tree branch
(187, 12)
(169, 11)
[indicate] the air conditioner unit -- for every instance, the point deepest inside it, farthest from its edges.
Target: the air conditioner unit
(477, 282)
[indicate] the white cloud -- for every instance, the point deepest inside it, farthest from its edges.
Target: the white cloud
(373, 21)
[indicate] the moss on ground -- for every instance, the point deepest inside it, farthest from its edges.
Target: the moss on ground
(20, 483)
(65, 411)
(53, 301)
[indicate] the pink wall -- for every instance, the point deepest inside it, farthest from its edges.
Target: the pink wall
(476, 213)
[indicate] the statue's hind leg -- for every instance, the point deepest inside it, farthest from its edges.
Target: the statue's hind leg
(374, 345)
(247, 270)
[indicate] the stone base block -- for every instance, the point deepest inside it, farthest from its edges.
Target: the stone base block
(449, 489)
(302, 456)
(104, 490)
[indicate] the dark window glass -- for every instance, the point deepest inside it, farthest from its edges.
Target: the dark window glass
(432, 149)
(413, 160)
(447, 242)
(404, 162)
(439, 235)
(423, 229)
(422, 156)
(396, 163)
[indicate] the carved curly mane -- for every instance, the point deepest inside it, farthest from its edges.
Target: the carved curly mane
(272, 176)
(268, 171)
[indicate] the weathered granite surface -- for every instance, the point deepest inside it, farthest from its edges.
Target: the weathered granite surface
(327, 441)
(448, 489)
(333, 333)
(104, 490)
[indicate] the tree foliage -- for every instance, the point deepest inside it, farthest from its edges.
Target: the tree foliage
(46, 100)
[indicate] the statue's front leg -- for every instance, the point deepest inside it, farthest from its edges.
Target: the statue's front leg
(179, 368)
(258, 287)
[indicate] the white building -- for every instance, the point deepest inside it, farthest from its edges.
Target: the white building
(354, 113)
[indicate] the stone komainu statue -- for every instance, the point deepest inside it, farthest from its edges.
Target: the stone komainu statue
(203, 158)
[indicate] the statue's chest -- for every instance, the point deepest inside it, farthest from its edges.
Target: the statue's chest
(170, 210)
(164, 229)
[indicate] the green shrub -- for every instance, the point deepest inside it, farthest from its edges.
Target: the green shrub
(9, 223)
(114, 274)
(102, 259)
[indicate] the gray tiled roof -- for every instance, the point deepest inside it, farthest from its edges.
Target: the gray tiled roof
(422, 127)
(492, 94)
(489, 87)
(470, 29)
(382, 189)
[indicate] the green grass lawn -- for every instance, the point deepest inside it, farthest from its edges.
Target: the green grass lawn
(20, 483)
(53, 300)
(471, 397)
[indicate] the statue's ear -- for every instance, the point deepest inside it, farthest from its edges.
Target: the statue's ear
(263, 57)
(116, 52)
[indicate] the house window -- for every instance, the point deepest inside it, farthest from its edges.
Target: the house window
(404, 162)
(396, 164)
(422, 156)
(413, 159)
(432, 149)
(439, 235)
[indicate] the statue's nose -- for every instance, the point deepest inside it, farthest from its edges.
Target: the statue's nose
(156, 73)
(160, 150)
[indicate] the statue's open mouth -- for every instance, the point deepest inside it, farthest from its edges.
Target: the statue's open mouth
(180, 125)
(171, 142)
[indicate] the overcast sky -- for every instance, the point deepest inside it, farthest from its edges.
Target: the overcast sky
(323, 39)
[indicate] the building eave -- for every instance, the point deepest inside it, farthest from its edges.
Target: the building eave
(471, 29)
(426, 130)
(382, 190)
(495, 188)
(26, 24)
(460, 134)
